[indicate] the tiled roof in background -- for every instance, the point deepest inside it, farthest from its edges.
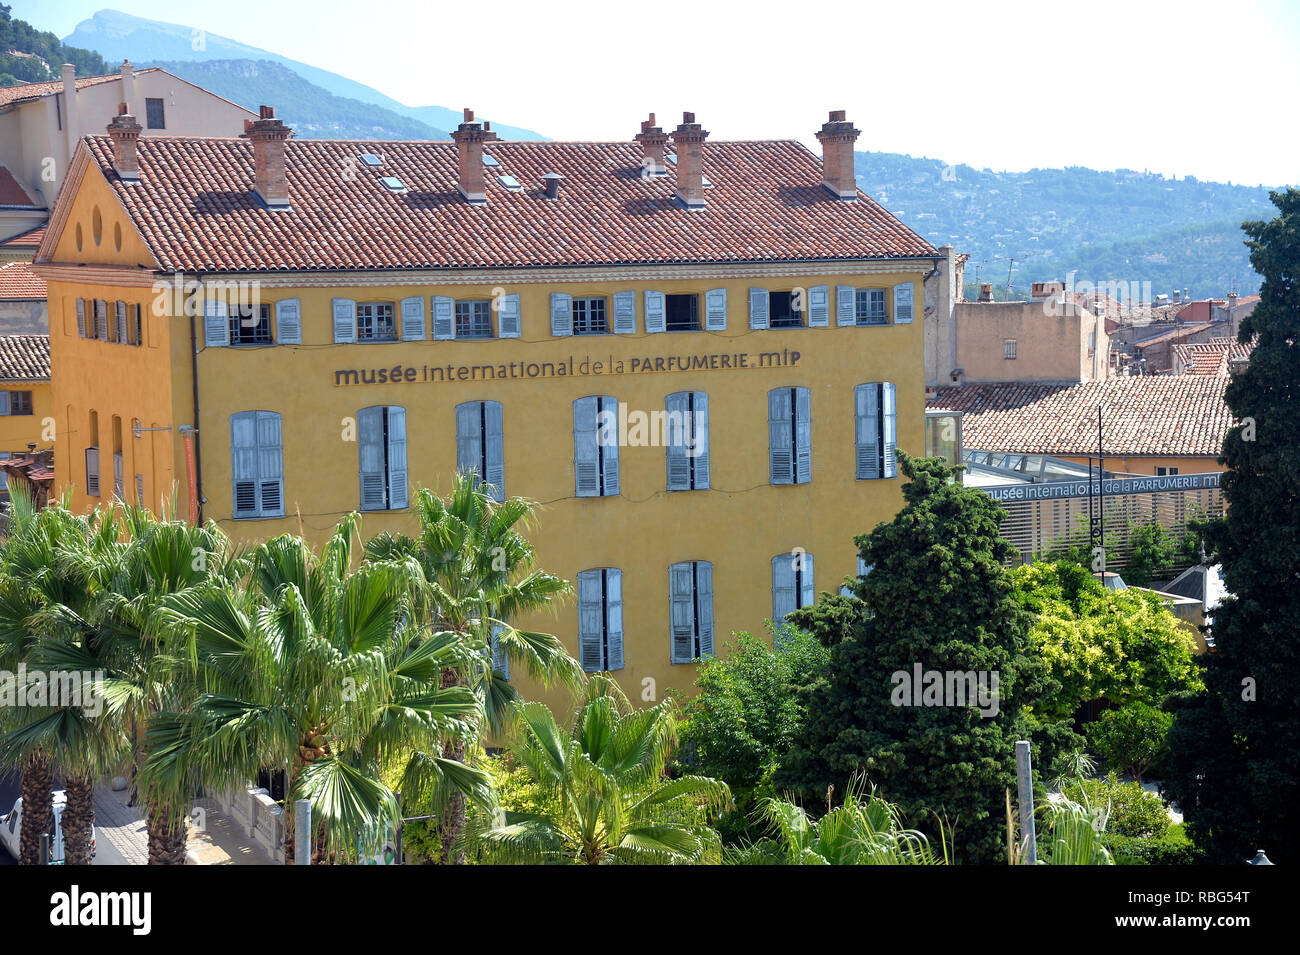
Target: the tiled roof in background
(31, 238)
(25, 92)
(1154, 415)
(1212, 357)
(12, 193)
(17, 281)
(195, 207)
(24, 357)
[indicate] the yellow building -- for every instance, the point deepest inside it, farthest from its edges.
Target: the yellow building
(410, 309)
(26, 399)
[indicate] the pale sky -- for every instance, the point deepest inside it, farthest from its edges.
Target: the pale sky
(1206, 89)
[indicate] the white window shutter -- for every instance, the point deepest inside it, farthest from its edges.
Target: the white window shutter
(902, 303)
(216, 324)
(846, 305)
(704, 606)
(270, 465)
(758, 302)
(624, 313)
(608, 412)
(715, 310)
(4, 402)
(782, 586)
(397, 489)
(288, 322)
(413, 319)
(494, 449)
(681, 589)
(866, 423)
(700, 424)
(656, 312)
(561, 314)
(591, 620)
(508, 317)
(803, 436)
(444, 318)
(81, 317)
(586, 452)
(889, 420)
(244, 463)
(780, 436)
(613, 619)
(819, 306)
(469, 438)
(370, 451)
(809, 595)
(678, 455)
(345, 320)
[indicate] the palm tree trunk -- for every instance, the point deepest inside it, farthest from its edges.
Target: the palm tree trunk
(37, 788)
(78, 819)
(452, 823)
(167, 835)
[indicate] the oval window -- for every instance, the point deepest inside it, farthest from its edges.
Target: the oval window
(79, 239)
(97, 225)
(117, 235)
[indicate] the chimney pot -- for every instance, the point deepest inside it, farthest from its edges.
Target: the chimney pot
(268, 136)
(837, 138)
(124, 131)
(469, 137)
(551, 183)
(653, 140)
(689, 138)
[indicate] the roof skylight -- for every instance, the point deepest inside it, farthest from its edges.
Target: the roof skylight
(370, 159)
(393, 184)
(511, 183)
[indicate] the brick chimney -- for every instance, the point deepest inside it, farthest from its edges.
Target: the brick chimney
(469, 137)
(986, 292)
(268, 135)
(125, 133)
(653, 140)
(689, 139)
(837, 138)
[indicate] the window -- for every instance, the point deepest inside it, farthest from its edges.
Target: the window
(792, 584)
(600, 619)
(474, 319)
(683, 312)
(101, 320)
(155, 118)
(480, 447)
(690, 588)
(256, 464)
(875, 424)
(139, 490)
(121, 334)
(1160, 472)
(782, 311)
(903, 303)
(500, 659)
(1008, 348)
(687, 432)
(15, 402)
(381, 446)
(250, 325)
(869, 306)
(595, 446)
(863, 569)
(92, 457)
(589, 316)
(375, 322)
(789, 435)
(135, 326)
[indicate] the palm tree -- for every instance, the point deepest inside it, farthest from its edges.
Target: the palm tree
(607, 772)
(476, 575)
(322, 669)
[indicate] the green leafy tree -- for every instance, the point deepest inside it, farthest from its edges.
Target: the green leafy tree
(1233, 767)
(1130, 739)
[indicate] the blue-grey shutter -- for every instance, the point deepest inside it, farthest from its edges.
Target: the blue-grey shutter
(469, 438)
(444, 318)
(681, 590)
(561, 314)
(4, 402)
(656, 315)
(613, 619)
(808, 597)
(370, 450)
(494, 449)
(413, 319)
(819, 306)
(700, 447)
(397, 489)
(607, 437)
(244, 463)
(624, 313)
(500, 659)
(846, 305)
(715, 310)
(122, 336)
(92, 472)
(704, 606)
(803, 436)
(783, 596)
(345, 320)
(216, 324)
(81, 317)
(902, 303)
(591, 620)
(288, 322)
(119, 484)
(586, 452)
(866, 422)
(758, 303)
(678, 454)
(780, 437)
(889, 421)
(508, 317)
(270, 465)
(101, 320)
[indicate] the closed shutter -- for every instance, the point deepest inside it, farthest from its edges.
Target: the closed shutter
(808, 594)
(591, 619)
(444, 318)
(370, 448)
(866, 423)
(469, 438)
(586, 450)
(216, 324)
(500, 660)
(678, 454)
(288, 322)
(681, 589)
(704, 606)
(700, 423)
(889, 427)
(397, 490)
(123, 334)
(780, 436)
(783, 596)
(624, 313)
(413, 319)
(607, 437)
(715, 310)
(561, 314)
(758, 308)
(846, 305)
(819, 306)
(345, 320)
(508, 317)
(92, 472)
(270, 464)
(494, 449)
(243, 462)
(139, 490)
(903, 303)
(119, 477)
(4, 402)
(81, 317)
(803, 436)
(613, 619)
(137, 325)
(101, 320)
(656, 315)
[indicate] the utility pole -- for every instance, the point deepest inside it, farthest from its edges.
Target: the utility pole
(1025, 798)
(302, 832)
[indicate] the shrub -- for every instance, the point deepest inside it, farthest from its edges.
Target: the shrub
(1174, 848)
(1131, 738)
(1129, 809)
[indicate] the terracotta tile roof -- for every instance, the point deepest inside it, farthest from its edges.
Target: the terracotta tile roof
(11, 191)
(1169, 415)
(17, 281)
(195, 208)
(24, 357)
(38, 469)
(1212, 357)
(32, 237)
(25, 92)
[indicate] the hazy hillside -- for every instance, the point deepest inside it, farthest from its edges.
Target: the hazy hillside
(1123, 226)
(312, 112)
(117, 36)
